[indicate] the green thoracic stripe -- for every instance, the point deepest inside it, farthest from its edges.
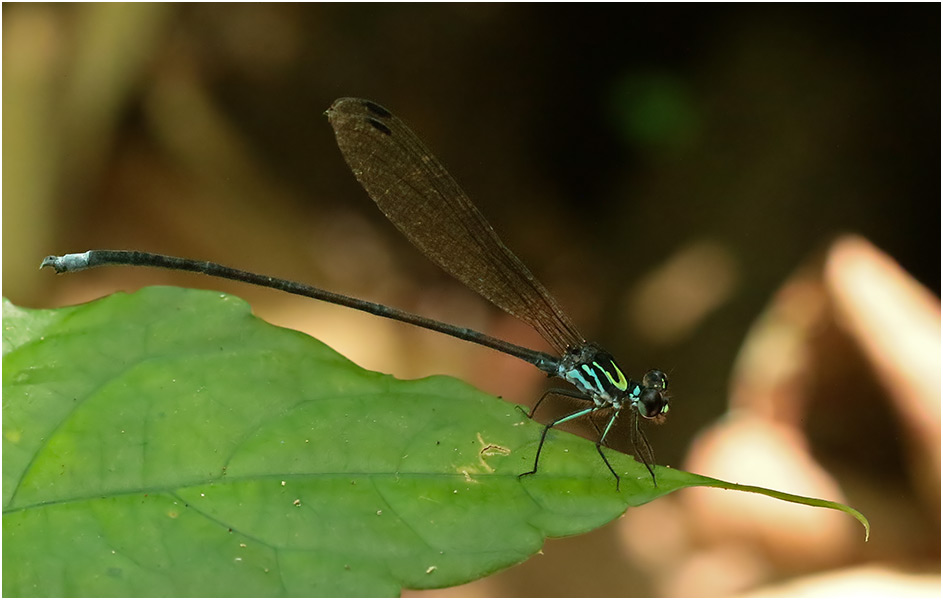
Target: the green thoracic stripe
(621, 383)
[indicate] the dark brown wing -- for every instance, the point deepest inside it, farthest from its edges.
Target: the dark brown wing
(426, 204)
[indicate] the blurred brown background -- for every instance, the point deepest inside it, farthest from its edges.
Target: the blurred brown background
(665, 170)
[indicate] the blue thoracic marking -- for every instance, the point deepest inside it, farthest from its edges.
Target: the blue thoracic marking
(597, 383)
(574, 375)
(602, 380)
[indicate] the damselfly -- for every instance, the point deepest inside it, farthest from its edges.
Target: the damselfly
(425, 203)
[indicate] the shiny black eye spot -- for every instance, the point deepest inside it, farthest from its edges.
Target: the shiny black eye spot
(377, 109)
(655, 379)
(652, 404)
(379, 126)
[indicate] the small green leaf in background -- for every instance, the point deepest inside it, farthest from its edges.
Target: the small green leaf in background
(168, 443)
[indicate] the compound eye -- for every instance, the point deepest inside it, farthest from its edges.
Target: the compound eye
(655, 379)
(652, 403)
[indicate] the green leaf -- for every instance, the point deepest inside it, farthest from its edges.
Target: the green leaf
(168, 443)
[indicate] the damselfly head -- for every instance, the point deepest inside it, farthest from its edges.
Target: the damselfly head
(652, 403)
